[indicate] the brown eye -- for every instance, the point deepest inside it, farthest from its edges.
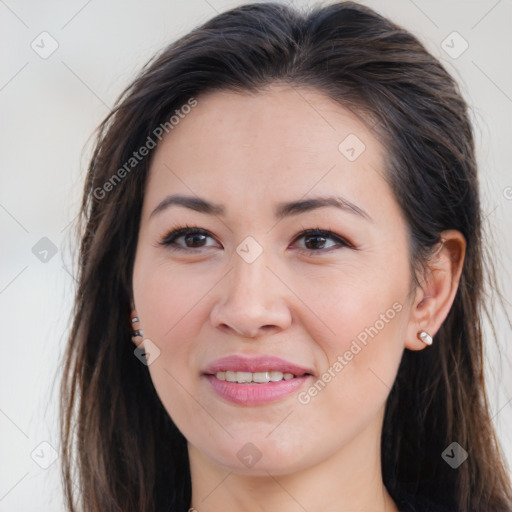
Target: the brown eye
(194, 238)
(315, 241)
(319, 240)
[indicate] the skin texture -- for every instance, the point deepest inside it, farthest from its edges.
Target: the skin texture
(249, 152)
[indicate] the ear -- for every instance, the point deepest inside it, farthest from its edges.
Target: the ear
(439, 284)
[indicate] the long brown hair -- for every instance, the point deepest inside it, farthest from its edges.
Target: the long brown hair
(119, 446)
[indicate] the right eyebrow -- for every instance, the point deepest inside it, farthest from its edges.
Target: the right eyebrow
(194, 203)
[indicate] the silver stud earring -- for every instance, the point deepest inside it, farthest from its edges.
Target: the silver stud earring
(137, 332)
(425, 337)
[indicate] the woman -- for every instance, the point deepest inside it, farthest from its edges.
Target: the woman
(281, 280)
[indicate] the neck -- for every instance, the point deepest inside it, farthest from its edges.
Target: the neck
(347, 480)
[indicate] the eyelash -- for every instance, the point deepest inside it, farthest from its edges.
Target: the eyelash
(168, 240)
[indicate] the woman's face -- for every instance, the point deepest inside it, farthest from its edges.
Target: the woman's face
(250, 285)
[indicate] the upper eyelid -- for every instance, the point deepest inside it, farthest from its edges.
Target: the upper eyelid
(179, 232)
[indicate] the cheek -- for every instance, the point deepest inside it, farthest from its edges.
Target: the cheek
(171, 311)
(364, 323)
(349, 303)
(168, 296)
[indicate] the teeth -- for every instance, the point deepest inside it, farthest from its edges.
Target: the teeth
(242, 377)
(275, 376)
(257, 377)
(261, 377)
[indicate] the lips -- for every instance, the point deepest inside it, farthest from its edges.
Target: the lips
(257, 364)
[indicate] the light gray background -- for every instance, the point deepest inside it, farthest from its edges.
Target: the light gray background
(49, 108)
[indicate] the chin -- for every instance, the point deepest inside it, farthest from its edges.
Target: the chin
(259, 456)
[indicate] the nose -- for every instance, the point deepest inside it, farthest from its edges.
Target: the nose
(252, 300)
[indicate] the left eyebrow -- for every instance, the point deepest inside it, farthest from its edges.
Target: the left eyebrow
(297, 207)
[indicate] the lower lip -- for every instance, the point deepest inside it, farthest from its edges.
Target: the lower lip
(255, 394)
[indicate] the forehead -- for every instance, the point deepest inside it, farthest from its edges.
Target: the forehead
(281, 141)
